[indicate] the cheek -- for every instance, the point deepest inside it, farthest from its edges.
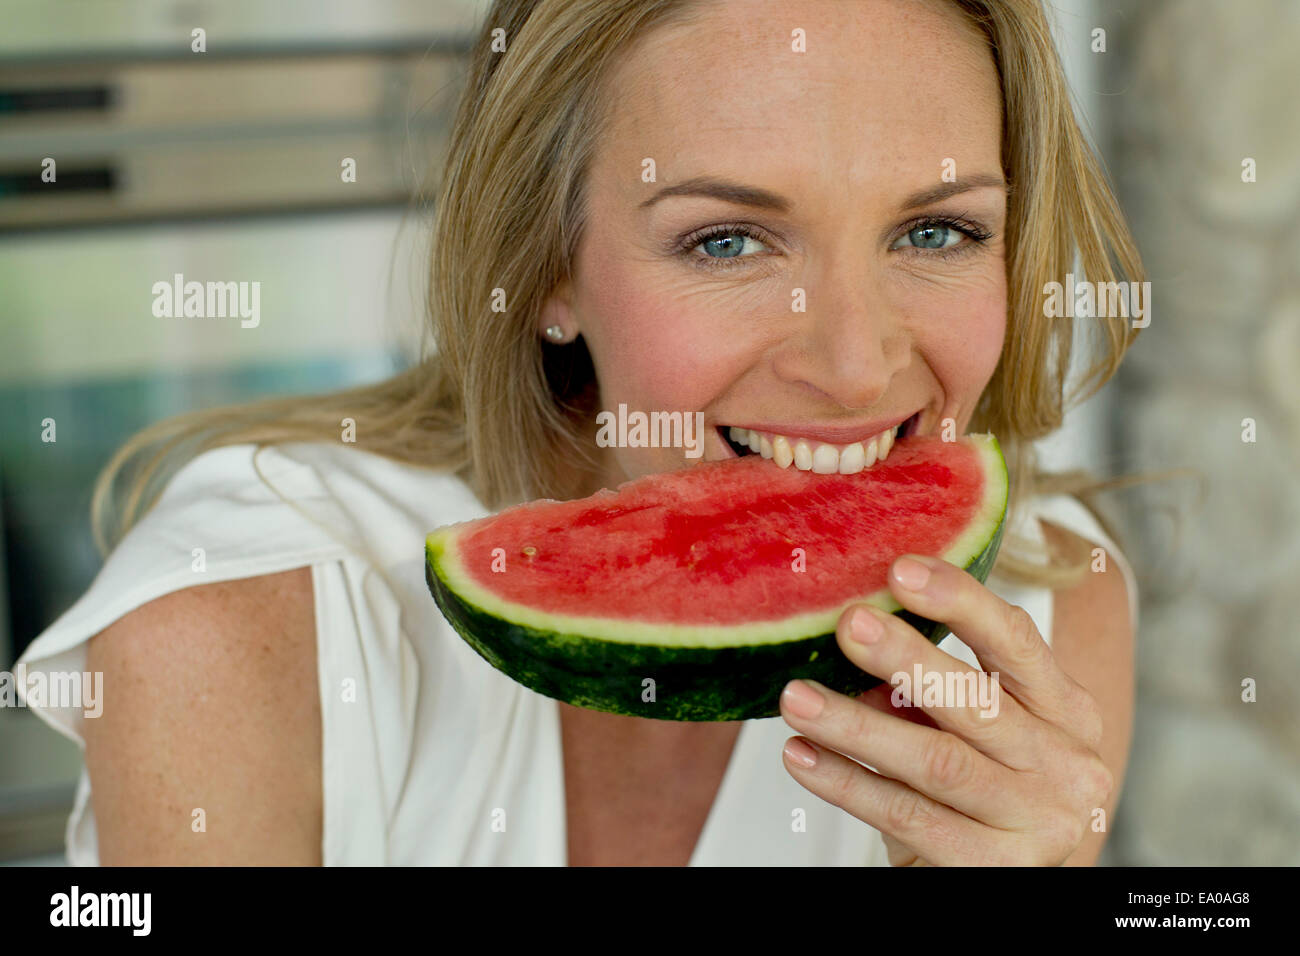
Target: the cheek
(987, 326)
(652, 348)
(964, 346)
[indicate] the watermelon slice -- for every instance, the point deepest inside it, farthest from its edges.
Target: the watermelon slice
(697, 594)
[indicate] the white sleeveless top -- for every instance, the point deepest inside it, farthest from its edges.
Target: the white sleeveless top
(434, 744)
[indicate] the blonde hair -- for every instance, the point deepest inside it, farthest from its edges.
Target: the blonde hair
(512, 416)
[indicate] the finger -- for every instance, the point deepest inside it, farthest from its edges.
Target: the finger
(960, 699)
(878, 698)
(938, 764)
(899, 855)
(1003, 636)
(937, 833)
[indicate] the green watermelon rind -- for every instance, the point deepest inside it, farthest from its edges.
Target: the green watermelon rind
(724, 673)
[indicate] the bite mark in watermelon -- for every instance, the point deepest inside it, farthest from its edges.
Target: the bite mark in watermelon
(689, 578)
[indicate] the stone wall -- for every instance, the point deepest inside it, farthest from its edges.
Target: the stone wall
(1194, 89)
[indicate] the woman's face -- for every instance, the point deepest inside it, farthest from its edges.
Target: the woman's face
(825, 290)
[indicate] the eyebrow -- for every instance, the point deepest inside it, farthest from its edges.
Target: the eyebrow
(726, 191)
(742, 195)
(927, 197)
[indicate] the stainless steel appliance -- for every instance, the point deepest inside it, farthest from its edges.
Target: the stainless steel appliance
(287, 152)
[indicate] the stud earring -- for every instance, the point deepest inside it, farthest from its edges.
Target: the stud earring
(555, 333)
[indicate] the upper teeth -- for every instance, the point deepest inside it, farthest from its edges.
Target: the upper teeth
(817, 457)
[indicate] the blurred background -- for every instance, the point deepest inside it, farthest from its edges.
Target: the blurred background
(231, 164)
(226, 165)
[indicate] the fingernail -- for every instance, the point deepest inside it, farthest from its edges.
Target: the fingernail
(802, 700)
(911, 574)
(865, 627)
(800, 752)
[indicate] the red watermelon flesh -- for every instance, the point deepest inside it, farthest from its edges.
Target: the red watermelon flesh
(698, 594)
(665, 549)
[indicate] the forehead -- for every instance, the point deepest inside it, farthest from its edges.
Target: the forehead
(885, 88)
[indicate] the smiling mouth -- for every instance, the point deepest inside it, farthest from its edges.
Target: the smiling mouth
(812, 455)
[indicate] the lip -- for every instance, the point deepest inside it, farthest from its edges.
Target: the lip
(828, 434)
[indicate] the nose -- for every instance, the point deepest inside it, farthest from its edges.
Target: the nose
(849, 343)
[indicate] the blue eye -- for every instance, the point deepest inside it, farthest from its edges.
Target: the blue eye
(933, 237)
(940, 235)
(727, 243)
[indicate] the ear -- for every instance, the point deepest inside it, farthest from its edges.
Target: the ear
(558, 310)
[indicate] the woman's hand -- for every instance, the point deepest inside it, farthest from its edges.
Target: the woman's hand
(1015, 783)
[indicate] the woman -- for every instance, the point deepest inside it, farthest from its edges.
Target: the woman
(635, 193)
